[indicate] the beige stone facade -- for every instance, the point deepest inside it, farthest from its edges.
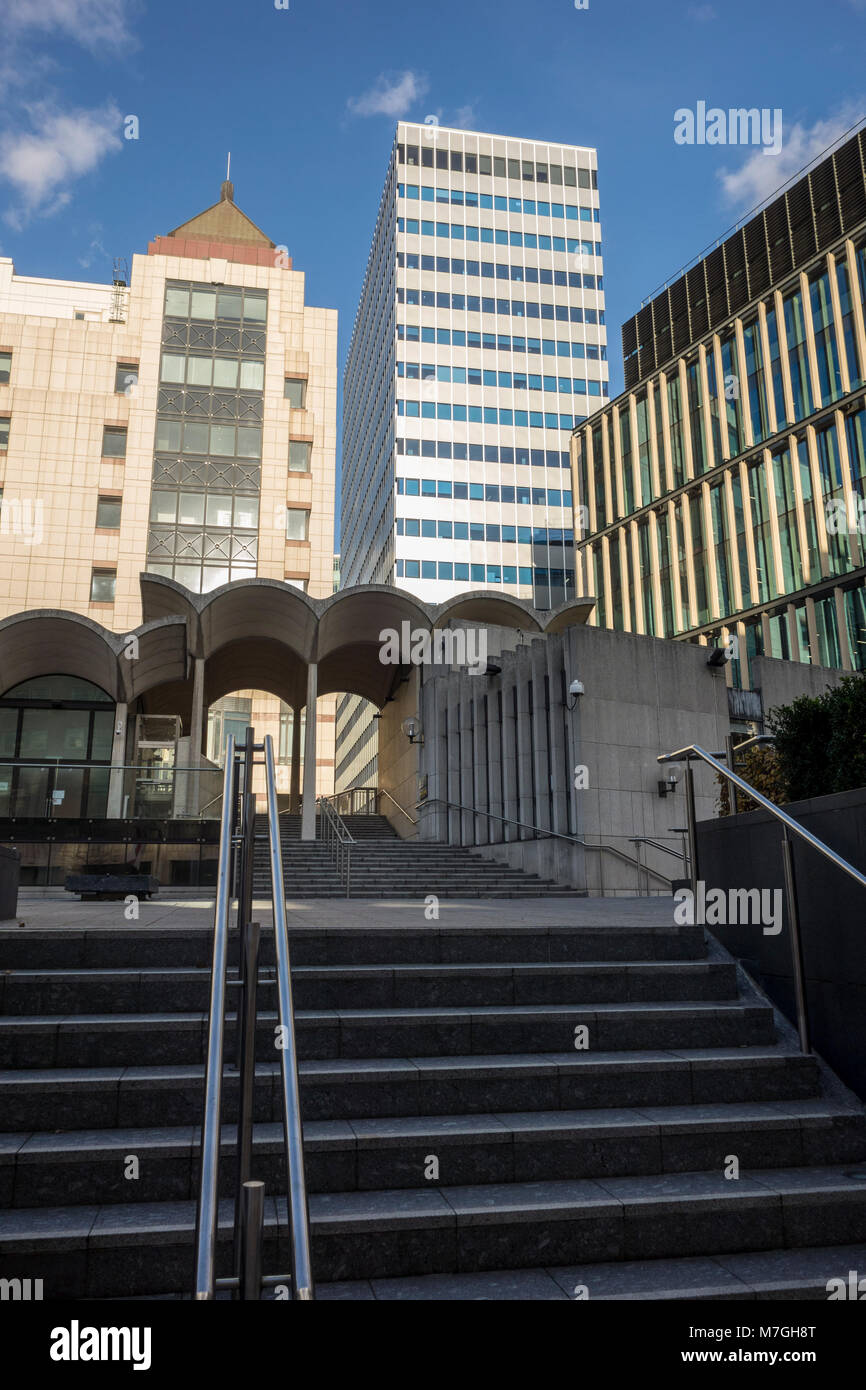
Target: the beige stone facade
(85, 358)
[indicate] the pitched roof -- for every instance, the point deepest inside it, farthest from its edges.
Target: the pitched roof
(224, 222)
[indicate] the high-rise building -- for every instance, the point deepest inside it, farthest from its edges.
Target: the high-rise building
(183, 424)
(478, 344)
(724, 494)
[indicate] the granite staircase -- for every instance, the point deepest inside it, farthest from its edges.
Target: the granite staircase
(384, 866)
(461, 1140)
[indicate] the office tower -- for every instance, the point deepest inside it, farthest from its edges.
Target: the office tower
(478, 344)
(725, 489)
(183, 423)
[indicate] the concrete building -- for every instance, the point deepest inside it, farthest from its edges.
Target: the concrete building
(722, 495)
(478, 343)
(182, 424)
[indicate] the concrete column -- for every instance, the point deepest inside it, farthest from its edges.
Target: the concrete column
(555, 655)
(494, 764)
(196, 735)
(466, 797)
(308, 813)
(524, 743)
(478, 705)
(295, 782)
(114, 808)
(510, 808)
(541, 736)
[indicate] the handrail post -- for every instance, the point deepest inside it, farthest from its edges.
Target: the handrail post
(796, 941)
(252, 1209)
(691, 823)
(208, 1200)
(298, 1211)
(732, 786)
(247, 1014)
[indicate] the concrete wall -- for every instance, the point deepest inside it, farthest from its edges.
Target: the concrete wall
(744, 852)
(398, 759)
(780, 682)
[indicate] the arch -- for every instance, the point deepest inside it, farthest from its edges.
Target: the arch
(47, 640)
(484, 606)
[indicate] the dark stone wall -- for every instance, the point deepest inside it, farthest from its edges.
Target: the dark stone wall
(745, 852)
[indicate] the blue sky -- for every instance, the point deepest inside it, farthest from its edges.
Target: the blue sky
(306, 99)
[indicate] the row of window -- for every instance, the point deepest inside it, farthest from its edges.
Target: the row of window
(483, 492)
(491, 415)
(716, 548)
(499, 236)
(506, 381)
(530, 207)
(485, 574)
(229, 441)
(713, 420)
(229, 305)
(499, 270)
(483, 531)
(431, 156)
(483, 453)
(517, 308)
(493, 342)
(229, 373)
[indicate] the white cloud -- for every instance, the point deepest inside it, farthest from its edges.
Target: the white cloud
(41, 162)
(465, 118)
(390, 96)
(762, 174)
(704, 14)
(91, 23)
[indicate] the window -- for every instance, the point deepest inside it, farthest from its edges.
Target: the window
(107, 513)
(79, 314)
(125, 377)
(5, 422)
(102, 584)
(295, 391)
(113, 443)
(297, 519)
(5, 367)
(299, 456)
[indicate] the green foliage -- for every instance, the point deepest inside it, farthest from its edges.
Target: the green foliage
(759, 765)
(820, 747)
(821, 741)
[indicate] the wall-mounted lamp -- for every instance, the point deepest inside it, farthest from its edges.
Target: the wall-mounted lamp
(412, 729)
(575, 690)
(669, 785)
(118, 728)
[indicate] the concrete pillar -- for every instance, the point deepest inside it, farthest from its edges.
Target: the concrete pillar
(196, 736)
(479, 708)
(554, 652)
(114, 808)
(467, 824)
(540, 737)
(308, 814)
(295, 782)
(524, 744)
(494, 765)
(510, 807)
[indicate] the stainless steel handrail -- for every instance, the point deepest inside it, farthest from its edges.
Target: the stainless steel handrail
(694, 751)
(208, 1202)
(656, 844)
(299, 1216)
(338, 841)
(383, 792)
(542, 834)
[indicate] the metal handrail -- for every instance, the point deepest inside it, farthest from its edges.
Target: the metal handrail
(656, 844)
(789, 825)
(383, 792)
(298, 1207)
(338, 841)
(543, 834)
(237, 831)
(208, 1201)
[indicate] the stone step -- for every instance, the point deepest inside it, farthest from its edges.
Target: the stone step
(128, 945)
(32, 1041)
(756, 1275)
(182, 988)
(139, 1248)
(143, 1096)
(43, 1169)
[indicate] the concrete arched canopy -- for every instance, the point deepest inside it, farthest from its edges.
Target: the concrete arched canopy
(350, 639)
(47, 642)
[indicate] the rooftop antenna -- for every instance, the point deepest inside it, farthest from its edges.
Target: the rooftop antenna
(228, 191)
